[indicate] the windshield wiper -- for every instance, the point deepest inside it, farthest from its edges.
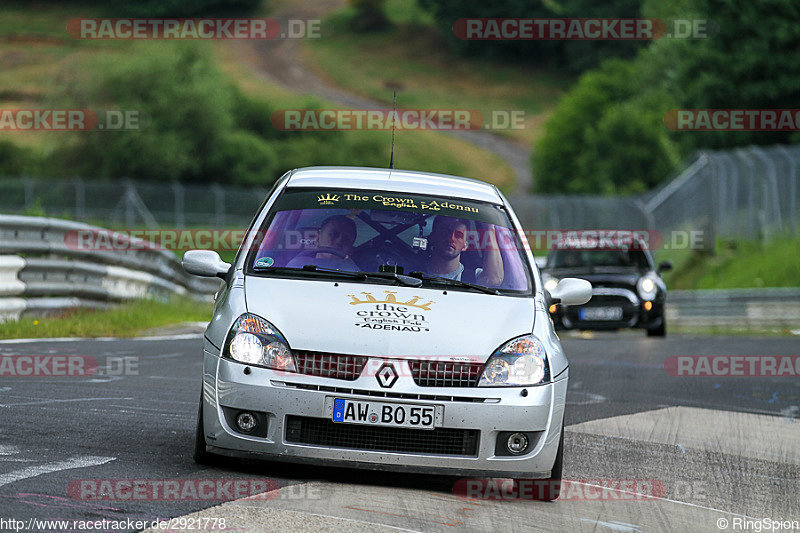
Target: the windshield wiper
(311, 269)
(453, 282)
(403, 280)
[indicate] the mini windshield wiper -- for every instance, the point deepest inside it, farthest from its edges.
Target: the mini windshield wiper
(453, 282)
(403, 280)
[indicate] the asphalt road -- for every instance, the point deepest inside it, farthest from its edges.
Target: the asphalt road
(720, 448)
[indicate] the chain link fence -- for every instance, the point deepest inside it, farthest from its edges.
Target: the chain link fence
(129, 204)
(746, 193)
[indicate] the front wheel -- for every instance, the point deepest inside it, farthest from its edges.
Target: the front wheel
(549, 489)
(659, 331)
(201, 455)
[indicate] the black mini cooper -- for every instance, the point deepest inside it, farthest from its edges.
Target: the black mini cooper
(627, 289)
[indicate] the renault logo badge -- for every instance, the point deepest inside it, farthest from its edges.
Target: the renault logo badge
(386, 375)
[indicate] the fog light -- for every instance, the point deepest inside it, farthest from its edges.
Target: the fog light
(648, 305)
(553, 309)
(517, 443)
(246, 422)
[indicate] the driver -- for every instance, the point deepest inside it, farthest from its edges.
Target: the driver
(448, 239)
(337, 233)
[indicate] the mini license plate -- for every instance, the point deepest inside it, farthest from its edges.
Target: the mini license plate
(601, 313)
(401, 415)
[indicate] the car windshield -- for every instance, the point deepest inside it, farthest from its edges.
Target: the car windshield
(441, 241)
(597, 258)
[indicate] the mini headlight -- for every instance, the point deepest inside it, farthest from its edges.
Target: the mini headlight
(646, 287)
(519, 362)
(254, 341)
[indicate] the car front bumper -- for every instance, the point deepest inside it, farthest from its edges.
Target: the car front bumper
(538, 411)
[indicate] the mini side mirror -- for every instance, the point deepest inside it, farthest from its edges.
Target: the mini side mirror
(663, 266)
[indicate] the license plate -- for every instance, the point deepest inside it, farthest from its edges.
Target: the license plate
(601, 313)
(384, 414)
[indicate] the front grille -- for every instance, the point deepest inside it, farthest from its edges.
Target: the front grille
(324, 432)
(336, 366)
(432, 373)
(385, 394)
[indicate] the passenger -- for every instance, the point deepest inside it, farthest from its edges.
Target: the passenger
(448, 239)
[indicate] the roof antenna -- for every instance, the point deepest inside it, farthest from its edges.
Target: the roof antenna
(394, 114)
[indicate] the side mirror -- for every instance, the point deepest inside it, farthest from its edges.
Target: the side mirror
(206, 263)
(663, 266)
(572, 291)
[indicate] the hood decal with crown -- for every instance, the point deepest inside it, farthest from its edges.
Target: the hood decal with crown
(391, 314)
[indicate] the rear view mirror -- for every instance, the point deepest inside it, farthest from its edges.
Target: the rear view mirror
(206, 263)
(572, 291)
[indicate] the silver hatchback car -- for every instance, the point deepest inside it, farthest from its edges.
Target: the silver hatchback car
(385, 319)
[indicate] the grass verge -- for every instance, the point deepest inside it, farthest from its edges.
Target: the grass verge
(126, 320)
(740, 265)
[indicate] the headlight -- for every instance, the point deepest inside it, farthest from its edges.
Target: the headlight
(254, 341)
(647, 288)
(519, 362)
(549, 282)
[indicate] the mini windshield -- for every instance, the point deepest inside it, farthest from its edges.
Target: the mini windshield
(575, 258)
(431, 238)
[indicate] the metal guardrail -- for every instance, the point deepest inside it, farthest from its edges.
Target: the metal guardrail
(42, 271)
(768, 307)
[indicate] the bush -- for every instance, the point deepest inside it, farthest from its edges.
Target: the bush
(369, 15)
(14, 160)
(199, 128)
(243, 158)
(607, 135)
(568, 56)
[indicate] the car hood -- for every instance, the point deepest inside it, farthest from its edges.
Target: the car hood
(365, 319)
(595, 275)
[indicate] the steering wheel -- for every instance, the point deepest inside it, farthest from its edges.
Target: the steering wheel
(325, 250)
(382, 253)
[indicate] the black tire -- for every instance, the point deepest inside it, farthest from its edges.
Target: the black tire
(553, 489)
(201, 455)
(660, 331)
(549, 489)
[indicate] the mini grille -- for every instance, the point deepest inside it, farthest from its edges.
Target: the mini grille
(335, 366)
(445, 373)
(324, 432)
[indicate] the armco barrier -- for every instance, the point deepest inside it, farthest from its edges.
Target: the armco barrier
(768, 307)
(40, 273)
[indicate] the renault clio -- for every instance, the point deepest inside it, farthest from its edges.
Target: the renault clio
(385, 319)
